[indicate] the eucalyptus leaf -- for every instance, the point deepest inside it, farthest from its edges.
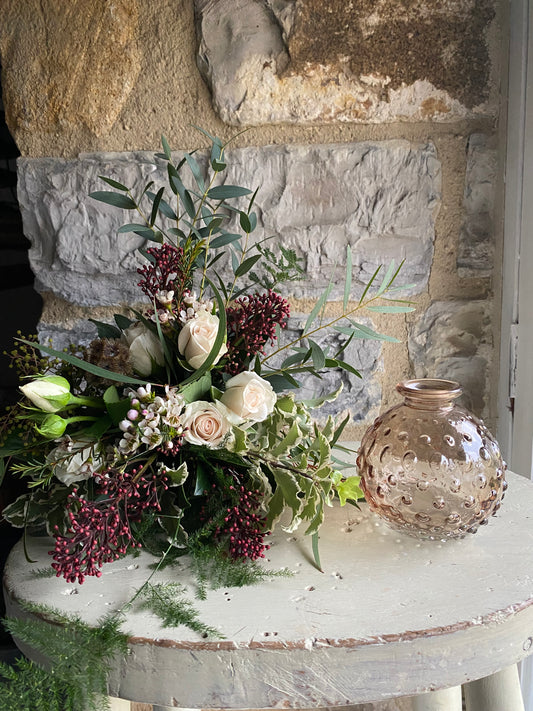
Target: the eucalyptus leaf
(224, 192)
(84, 365)
(164, 207)
(223, 239)
(115, 199)
(247, 265)
(114, 183)
(166, 148)
(155, 206)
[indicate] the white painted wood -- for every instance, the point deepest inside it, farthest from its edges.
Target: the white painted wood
(516, 433)
(443, 700)
(389, 616)
(116, 704)
(499, 692)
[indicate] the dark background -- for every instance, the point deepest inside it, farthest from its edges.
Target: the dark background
(20, 309)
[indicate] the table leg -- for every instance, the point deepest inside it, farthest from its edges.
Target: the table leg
(496, 692)
(441, 700)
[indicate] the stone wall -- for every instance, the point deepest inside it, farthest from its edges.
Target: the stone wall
(370, 124)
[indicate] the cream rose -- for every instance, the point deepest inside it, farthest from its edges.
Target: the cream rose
(205, 423)
(197, 338)
(249, 397)
(146, 351)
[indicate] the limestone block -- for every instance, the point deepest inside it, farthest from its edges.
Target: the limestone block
(59, 336)
(476, 239)
(359, 396)
(379, 198)
(453, 340)
(68, 63)
(273, 61)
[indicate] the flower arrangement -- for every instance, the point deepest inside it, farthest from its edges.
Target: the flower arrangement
(178, 427)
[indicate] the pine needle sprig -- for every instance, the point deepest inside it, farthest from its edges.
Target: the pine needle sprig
(78, 660)
(168, 601)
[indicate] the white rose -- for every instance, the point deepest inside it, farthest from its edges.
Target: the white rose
(249, 397)
(50, 393)
(206, 424)
(75, 460)
(146, 351)
(197, 338)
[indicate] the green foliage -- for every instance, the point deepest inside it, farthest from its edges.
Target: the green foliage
(169, 602)
(78, 659)
(213, 570)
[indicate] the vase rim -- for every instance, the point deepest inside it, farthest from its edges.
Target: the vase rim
(433, 388)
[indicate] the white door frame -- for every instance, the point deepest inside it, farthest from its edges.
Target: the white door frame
(515, 396)
(515, 431)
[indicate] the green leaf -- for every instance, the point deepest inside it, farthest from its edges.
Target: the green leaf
(213, 139)
(348, 279)
(195, 170)
(348, 488)
(166, 148)
(131, 227)
(317, 355)
(149, 234)
(179, 475)
(384, 309)
(387, 279)
(116, 407)
(155, 206)
(123, 322)
(114, 184)
(282, 382)
(347, 367)
(106, 330)
(223, 192)
(360, 331)
(196, 389)
(184, 194)
(317, 307)
(115, 199)
(290, 489)
(369, 284)
(223, 239)
(164, 207)
(339, 430)
(245, 222)
(319, 401)
(246, 265)
(316, 554)
(84, 365)
(291, 438)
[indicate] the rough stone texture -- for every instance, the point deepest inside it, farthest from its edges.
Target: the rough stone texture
(360, 396)
(379, 198)
(476, 240)
(269, 61)
(453, 340)
(90, 66)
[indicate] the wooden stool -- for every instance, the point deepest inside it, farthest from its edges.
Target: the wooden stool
(390, 616)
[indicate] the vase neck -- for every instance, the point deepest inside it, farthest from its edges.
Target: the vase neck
(430, 393)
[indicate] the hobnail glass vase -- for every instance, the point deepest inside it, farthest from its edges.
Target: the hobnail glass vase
(429, 467)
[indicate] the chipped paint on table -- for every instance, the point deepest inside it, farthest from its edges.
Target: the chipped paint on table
(389, 616)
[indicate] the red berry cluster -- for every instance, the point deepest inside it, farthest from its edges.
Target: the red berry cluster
(100, 530)
(251, 324)
(243, 527)
(166, 272)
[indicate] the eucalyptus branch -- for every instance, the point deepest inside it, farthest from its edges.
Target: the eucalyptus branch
(322, 326)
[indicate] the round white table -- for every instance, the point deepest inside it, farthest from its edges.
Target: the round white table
(390, 616)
